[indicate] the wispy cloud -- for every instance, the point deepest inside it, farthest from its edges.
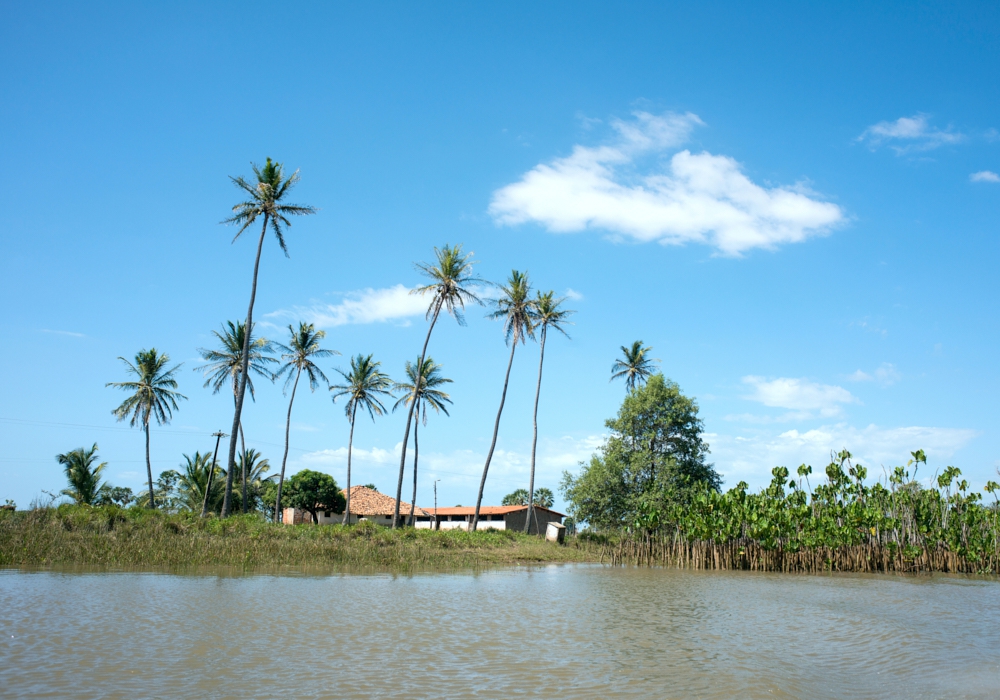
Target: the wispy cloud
(909, 134)
(751, 458)
(364, 306)
(886, 375)
(798, 395)
(984, 176)
(71, 334)
(696, 198)
(571, 293)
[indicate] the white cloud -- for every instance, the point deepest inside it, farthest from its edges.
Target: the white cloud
(573, 294)
(984, 176)
(886, 375)
(698, 197)
(798, 394)
(751, 458)
(909, 134)
(69, 333)
(364, 306)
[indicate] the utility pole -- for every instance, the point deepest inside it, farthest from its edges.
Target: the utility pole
(218, 435)
(437, 525)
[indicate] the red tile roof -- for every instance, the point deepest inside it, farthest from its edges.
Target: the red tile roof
(365, 501)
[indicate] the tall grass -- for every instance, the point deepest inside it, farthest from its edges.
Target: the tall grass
(116, 538)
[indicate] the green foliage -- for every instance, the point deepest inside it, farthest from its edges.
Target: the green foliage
(121, 496)
(544, 497)
(226, 364)
(892, 525)
(84, 477)
(118, 538)
(372, 487)
(516, 498)
(153, 394)
(427, 392)
(193, 480)
(265, 198)
(654, 457)
(363, 385)
(298, 355)
(313, 491)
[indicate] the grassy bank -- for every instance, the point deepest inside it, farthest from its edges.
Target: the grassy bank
(135, 538)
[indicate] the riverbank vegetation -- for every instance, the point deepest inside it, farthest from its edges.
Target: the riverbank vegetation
(650, 498)
(134, 538)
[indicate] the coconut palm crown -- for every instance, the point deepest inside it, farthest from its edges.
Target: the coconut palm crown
(515, 308)
(265, 199)
(225, 364)
(85, 487)
(426, 394)
(635, 365)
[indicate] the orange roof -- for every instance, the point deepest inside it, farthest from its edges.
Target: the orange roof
(485, 510)
(365, 501)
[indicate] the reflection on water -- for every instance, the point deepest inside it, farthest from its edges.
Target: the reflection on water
(560, 631)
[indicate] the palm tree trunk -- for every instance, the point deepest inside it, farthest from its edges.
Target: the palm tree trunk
(350, 447)
(534, 439)
(243, 451)
(231, 462)
(211, 473)
(149, 468)
(416, 454)
(496, 429)
(409, 414)
(284, 458)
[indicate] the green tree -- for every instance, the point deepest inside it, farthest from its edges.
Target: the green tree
(635, 365)
(298, 357)
(544, 497)
(314, 491)
(363, 385)
(426, 395)
(153, 396)
(266, 201)
(225, 365)
(121, 495)
(546, 313)
(451, 288)
(84, 477)
(193, 482)
(654, 456)
(514, 307)
(518, 497)
(165, 492)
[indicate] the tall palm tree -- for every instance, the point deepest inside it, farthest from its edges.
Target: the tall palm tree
(265, 201)
(363, 385)
(635, 365)
(225, 366)
(298, 357)
(514, 307)
(85, 487)
(546, 313)
(451, 288)
(153, 397)
(426, 396)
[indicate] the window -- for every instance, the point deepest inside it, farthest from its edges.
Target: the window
(326, 514)
(457, 518)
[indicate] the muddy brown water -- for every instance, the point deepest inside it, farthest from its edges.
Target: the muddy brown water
(553, 632)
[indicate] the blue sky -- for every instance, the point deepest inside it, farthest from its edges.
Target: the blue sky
(796, 206)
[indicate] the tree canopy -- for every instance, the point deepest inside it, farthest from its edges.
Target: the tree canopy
(654, 456)
(312, 492)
